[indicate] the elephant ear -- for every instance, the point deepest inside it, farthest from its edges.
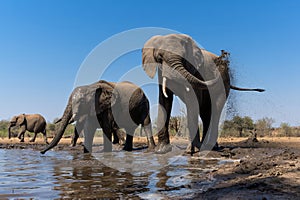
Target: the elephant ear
(21, 119)
(149, 61)
(105, 99)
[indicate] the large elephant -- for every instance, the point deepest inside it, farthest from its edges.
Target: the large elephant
(200, 79)
(31, 122)
(110, 106)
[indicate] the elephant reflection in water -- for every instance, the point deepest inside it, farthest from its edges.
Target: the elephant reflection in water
(87, 177)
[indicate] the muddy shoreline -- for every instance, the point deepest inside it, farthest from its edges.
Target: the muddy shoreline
(267, 169)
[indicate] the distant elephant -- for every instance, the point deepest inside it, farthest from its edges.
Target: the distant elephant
(199, 78)
(107, 105)
(33, 123)
(117, 133)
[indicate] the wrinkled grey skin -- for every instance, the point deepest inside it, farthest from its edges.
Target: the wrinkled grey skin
(110, 106)
(199, 78)
(33, 123)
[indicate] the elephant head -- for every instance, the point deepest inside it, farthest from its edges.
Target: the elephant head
(84, 103)
(178, 58)
(77, 107)
(16, 121)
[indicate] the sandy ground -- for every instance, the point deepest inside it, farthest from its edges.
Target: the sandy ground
(267, 169)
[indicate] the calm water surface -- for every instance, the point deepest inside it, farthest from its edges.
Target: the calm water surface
(64, 174)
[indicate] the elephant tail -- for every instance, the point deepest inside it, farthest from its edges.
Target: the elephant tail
(246, 89)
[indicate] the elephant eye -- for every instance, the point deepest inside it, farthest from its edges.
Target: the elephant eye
(159, 59)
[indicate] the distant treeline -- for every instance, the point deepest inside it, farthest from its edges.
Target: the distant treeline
(235, 127)
(239, 127)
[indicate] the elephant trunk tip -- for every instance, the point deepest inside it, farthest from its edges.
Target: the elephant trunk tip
(43, 152)
(260, 90)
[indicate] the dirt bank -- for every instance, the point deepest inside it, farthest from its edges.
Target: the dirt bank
(268, 169)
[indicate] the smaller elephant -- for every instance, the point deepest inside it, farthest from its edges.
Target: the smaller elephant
(35, 123)
(110, 106)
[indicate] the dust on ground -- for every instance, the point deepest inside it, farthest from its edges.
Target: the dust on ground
(266, 169)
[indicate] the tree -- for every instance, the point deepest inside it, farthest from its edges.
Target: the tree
(3, 128)
(248, 123)
(241, 124)
(264, 126)
(237, 126)
(286, 129)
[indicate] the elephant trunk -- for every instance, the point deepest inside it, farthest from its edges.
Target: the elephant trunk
(64, 123)
(176, 64)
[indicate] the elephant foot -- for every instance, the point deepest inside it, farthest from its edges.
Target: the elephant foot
(115, 141)
(22, 140)
(85, 150)
(32, 140)
(127, 148)
(217, 147)
(163, 148)
(150, 149)
(191, 151)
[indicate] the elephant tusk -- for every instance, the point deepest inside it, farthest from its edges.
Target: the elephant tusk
(164, 87)
(72, 118)
(187, 89)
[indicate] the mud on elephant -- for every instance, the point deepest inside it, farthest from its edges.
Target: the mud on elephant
(110, 106)
(199, 78)
(28, 122)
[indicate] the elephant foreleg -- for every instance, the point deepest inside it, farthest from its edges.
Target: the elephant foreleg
(107, 139)
(89, 132)
(163, 119)
(22, 133)
(193, 127)
(116, 135)
(74, 137)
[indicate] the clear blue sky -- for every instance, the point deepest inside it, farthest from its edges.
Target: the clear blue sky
(43, 43)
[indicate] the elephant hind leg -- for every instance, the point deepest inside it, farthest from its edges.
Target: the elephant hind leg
(45, 136)
(129, 138)
(34, 137)
(206, 116)
(148, 131)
